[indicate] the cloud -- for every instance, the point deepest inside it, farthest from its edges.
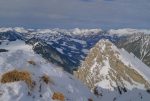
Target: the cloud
(75, 13)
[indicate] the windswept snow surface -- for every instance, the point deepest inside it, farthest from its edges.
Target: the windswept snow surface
(17, 58)
(132, 61)
(15, 45)
(135, 63)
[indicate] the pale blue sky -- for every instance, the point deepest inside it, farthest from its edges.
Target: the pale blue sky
(75, 13)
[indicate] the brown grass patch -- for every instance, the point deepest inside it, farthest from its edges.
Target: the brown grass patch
(32, 62)
(46, 79)
(58, 96)
(15, 75)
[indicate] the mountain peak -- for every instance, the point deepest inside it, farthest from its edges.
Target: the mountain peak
(103, 43)
(106, 68)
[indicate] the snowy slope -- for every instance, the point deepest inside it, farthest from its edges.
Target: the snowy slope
(139, 45)
(113, 72)
(137, 41)
(135, 63)
(17, 58)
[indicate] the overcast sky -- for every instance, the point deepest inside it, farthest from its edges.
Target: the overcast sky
(104, 14)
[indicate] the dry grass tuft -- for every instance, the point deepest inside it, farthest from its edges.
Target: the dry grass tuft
(15, 75)
(32, 62)
(58, 96)
(46, 79)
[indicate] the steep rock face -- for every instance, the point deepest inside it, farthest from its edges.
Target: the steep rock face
(112, 69)
(51, 54)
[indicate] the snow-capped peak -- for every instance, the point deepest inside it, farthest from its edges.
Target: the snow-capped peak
(15, 29)
(20, 30)
(2, 29)
(78, 31)
(128, 31)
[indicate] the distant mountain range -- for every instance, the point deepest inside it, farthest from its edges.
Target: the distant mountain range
(73, 45)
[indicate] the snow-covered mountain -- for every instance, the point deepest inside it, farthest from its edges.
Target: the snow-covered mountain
(26, 76)
(115, 75)
(72, 46)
